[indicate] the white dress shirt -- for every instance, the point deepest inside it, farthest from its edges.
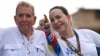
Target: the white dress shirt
(15, 44)
(1, 31)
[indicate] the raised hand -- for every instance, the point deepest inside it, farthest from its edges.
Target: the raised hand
(46, 22)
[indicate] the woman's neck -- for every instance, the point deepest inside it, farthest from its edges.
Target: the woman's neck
(67, 34)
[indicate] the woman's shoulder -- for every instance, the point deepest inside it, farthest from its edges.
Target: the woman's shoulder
(87, 32)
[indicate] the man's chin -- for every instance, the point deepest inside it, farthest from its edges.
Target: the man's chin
(24, 28)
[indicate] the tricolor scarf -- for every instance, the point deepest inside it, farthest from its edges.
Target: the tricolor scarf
(53, 44)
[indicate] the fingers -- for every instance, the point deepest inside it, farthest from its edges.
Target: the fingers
(46, 19)
(45, 16)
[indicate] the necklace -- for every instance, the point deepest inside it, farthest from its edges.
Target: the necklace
(27, 46)
(78, 50)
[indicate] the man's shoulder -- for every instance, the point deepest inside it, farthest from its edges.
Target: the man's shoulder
(1, 30)
(38, 31)
(10, 30)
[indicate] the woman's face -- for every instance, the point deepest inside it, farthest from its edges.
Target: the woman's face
(59, 21)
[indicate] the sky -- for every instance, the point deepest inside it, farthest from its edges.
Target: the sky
(7, 8)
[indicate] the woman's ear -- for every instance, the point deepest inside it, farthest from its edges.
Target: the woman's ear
(69, 19)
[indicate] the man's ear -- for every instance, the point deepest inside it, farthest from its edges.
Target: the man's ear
(34, 19)
(15, 19)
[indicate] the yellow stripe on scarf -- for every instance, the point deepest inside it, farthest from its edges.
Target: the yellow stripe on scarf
(50, 47)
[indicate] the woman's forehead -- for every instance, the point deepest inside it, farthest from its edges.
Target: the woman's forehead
(55, 12)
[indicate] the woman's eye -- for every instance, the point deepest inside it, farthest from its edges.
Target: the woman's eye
(58, 17)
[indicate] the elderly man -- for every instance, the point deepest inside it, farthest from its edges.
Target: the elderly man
(24, 40)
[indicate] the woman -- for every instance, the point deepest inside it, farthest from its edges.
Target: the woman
(72, 42)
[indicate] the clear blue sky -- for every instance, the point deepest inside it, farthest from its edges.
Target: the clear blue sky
(7, 8)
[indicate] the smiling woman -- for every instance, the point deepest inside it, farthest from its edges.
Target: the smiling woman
(72, 42)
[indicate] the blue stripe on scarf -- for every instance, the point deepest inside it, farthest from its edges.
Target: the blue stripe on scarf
(50, 39)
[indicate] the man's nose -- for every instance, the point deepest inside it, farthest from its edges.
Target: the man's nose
(24, 17)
